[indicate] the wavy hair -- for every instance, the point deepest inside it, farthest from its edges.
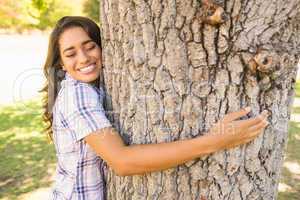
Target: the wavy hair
(53, 64)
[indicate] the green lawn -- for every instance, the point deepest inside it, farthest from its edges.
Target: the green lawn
(289, 177)
(297, 88)
(28, 159)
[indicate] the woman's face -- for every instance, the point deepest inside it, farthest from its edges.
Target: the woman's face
(80, 55)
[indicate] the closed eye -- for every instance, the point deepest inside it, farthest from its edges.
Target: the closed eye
(70, 55)
(90, 47)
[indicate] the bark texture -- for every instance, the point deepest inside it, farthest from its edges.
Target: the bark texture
(172, 68)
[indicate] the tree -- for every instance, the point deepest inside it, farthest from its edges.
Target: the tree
(47, 12)
(91, 9)
(173, 68)
(39, 14)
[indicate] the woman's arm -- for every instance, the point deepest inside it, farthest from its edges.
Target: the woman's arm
(139, 159)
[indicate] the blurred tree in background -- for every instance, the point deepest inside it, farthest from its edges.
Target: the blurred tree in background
(47, 12)
(92, 9)
(40, 14)
(12, 14)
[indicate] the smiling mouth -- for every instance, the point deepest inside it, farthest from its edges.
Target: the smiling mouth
(88, 69)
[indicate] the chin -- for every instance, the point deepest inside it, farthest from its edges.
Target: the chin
(88, 78)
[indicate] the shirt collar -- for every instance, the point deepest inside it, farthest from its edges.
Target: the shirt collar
(68, 77)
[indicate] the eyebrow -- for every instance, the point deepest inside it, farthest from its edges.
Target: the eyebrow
(83, 43)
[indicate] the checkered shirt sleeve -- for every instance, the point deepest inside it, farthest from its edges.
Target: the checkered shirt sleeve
(85, 114)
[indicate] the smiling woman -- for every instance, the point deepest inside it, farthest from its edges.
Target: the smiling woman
(84, 138)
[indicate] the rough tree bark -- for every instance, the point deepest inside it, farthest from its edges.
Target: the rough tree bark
(174, 67)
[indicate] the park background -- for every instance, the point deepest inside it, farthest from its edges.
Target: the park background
(28, 160)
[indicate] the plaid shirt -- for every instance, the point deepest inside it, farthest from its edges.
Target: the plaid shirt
(78, 112)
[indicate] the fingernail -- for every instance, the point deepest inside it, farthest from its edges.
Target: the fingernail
(265, 112)
(267, 123)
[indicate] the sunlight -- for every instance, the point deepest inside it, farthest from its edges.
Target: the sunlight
(282, 187)
(41, 193)
(293, 167)
(295, 117)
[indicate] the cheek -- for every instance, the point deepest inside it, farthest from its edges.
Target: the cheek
(68, 64)
(97, 54)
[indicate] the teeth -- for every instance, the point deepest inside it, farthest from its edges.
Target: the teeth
(87, 69)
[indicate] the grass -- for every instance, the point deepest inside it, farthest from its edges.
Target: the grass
(297, 89)
(290, 177)
(27, 158)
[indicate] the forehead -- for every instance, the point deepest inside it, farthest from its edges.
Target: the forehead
(72, 37)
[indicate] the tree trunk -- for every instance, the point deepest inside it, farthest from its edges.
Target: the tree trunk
(174, 68)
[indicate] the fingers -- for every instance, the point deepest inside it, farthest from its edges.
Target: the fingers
(255, 120)
(251, 133)
(259, 126)
(254, 134)
(236, 115)
(254, 131)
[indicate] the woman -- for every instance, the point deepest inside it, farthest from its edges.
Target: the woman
(83, 136)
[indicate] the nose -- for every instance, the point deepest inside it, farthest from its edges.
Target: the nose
(83, 57)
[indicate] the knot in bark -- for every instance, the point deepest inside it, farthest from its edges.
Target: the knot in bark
(214, 14)
(264, 62)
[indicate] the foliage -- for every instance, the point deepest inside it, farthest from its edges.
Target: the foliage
(13, 13)
(39, 14)
(92, 9)
(47, 12)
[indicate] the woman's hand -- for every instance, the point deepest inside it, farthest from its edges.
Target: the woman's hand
(239, 132)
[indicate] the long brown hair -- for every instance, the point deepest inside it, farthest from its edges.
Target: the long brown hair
(53, 67)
